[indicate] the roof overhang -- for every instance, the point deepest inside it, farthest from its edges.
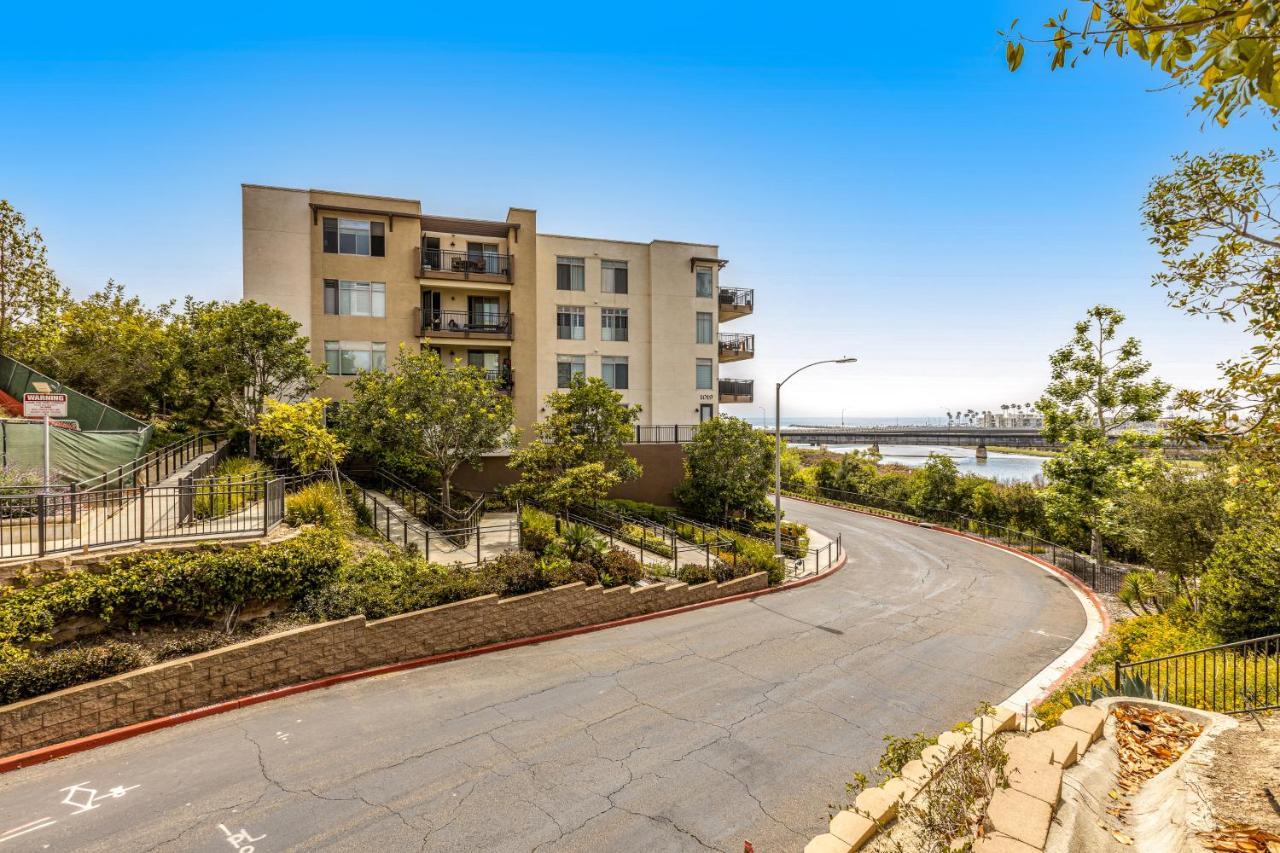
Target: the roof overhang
(474, 227)
(719, 262)
(360, 211)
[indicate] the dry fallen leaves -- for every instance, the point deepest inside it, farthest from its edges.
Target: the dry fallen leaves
(1149, 740)
(1241, 839)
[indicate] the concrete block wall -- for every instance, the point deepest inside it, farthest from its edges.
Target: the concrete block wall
(331, 648)
(1018, 816)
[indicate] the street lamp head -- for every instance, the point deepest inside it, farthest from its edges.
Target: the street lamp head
(846, 360)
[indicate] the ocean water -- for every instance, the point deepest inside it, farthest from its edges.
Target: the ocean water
(1010, 467)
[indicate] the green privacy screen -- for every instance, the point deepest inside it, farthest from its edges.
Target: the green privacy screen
(107, 438)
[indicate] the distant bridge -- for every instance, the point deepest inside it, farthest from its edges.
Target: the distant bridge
(978, 437)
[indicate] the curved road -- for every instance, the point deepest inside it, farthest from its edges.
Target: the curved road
(695, 731)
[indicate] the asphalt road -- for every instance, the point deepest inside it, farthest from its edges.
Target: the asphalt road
(695, 731)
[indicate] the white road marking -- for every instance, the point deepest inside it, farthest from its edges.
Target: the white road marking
(39, 823)
(238, 839)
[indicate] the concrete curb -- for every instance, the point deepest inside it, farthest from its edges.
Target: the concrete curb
(59, 750)
(1069, 662)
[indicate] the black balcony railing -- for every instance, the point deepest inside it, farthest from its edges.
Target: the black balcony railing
(449, 263)
(665, 433)
(465, 324)
(738, 298)
(737, 346)
(737, 390)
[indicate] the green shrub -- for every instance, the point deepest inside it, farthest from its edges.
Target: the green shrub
(388, 583)
(1241, 584)
(694, 573)
(166, 586)
(560, 570)
(641, 509)
(512, 573)
(646, 538)
(34, 676)
(755, 555)
(232, 484)
(618, 568)
(537, 529)
(319, 503)
(581, 543)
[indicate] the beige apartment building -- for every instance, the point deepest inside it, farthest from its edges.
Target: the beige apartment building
(367, 274)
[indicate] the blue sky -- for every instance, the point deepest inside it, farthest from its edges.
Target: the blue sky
(888, 188)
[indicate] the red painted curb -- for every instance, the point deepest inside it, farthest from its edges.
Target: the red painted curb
(1057, 570)
(59, 750)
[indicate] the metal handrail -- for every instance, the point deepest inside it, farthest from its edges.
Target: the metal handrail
(465, 323)
(737, 342)
(1231, 678)
(161, 459)
(738, 297)
(465, 264)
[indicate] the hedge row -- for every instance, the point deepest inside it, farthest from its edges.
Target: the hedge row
(165, 587)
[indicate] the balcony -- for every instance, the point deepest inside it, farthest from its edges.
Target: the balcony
(464, 266)
(737, 390)
(481, 325)
(736, 302)
(737, 347)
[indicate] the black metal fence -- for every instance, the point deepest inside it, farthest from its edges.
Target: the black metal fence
(35, 524)
(462, 545)
(486, 324)
(741, 298)
(665, 434)
(1104, 576)
(1235, 678)
(467, 264)
(156, 466)
(737, 345)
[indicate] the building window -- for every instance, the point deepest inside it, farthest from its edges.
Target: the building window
(570, 274)
(704, 327)
(347, 358)
(355, 298)
(704, 281)
(704, 374)
(613, 324)
(613, 276)
(354, 237)
(569, 366)
(614, 371)
(571, 322)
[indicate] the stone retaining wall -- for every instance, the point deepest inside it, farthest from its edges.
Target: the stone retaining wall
(1017, 817)
(331, 648)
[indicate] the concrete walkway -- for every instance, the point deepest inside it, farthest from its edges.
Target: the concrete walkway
(699, 731)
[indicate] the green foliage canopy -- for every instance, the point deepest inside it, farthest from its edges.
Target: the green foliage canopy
(1226, 48)
(728, 471)
(578, 452)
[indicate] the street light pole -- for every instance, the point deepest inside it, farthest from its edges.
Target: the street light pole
(777, 453)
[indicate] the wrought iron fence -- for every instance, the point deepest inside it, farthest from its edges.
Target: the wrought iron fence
(1104, 576)
(737, 345)
(488, 324)
(41, 524)
(1235, 678)
(738, 297)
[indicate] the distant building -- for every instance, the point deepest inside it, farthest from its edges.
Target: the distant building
(1012, 420)
(365, 274)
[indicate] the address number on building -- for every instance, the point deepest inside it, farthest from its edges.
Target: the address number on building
(42, 405)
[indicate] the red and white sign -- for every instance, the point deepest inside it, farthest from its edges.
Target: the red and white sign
(41, 405)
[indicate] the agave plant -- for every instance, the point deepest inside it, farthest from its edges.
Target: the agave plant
(1145, 592)
(1131, 686)
(582, 544)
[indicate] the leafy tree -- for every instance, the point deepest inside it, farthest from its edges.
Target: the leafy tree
(30, 294)
(578, 451)
(1175, 517)
(113, 348)
(424, 415)
(1228, 48)
(1213, 223)
(238, 355)
(728, 471)
(1241, 584)
(298, 430)
(1098, 390)
(934, 485)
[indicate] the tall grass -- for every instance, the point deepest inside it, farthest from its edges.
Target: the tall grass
(229, 487)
